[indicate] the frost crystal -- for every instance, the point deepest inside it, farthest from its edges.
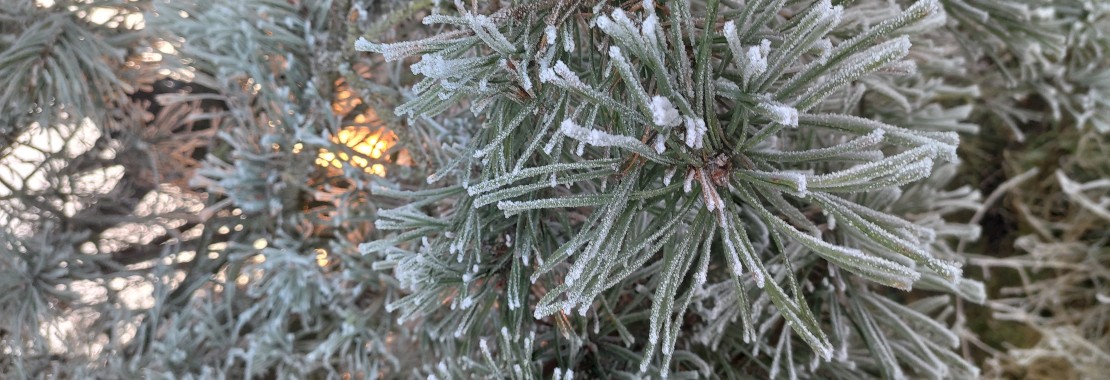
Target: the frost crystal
(757, 58)
(752, 60)
(568, 41)
(688, 185)
(660, 144)
(779, 113)
(362, 44)
(695, 132)
(651, 23)
(561, 72)
(663, 112)
(551, 33)
(595, 137)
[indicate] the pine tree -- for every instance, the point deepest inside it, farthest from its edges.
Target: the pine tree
(561, 189)
(715, 167)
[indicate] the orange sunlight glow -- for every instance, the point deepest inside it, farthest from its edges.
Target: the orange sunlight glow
(364, 141)
(362, 134)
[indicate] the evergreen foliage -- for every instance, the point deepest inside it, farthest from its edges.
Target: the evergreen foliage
(704, 169)
(562, 189)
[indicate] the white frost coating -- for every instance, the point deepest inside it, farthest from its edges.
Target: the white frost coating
(568, 41)
(903, 67)
(1044, 13)
(872, 139)
(668, 175)
(467, 303)
(561, 72)
(689, 184)
(663, 112)
(734, 42)
(730, 30)
(622, 18)
(798, 180)
(525, 81)
(547, 75)
(486, 29)
(891, 165)
(727, 230)
(595, 137)
(709, 193)
(568, 75)
(753, 60)
(558, 374)
(727, 88)
(551, 144)
(779, 113)
(603, 22)
(756, 62)
(660, 144)
(648, 30)
(551, 33)
(615, 52)
(825, 46)
(365, 45)
(430, 65)
(695, 132)
(554, 180)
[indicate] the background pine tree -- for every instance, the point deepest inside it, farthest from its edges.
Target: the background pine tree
(554, 189)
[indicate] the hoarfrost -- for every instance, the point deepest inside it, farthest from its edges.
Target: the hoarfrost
(651, 23)
(595, 137)
(689, 184)
(779, 113)
(663, 112)
(568, 41)
(756, 62)
(752, 60)
(668, 175)
(695, 132)
(551, 34)
(561, 72)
